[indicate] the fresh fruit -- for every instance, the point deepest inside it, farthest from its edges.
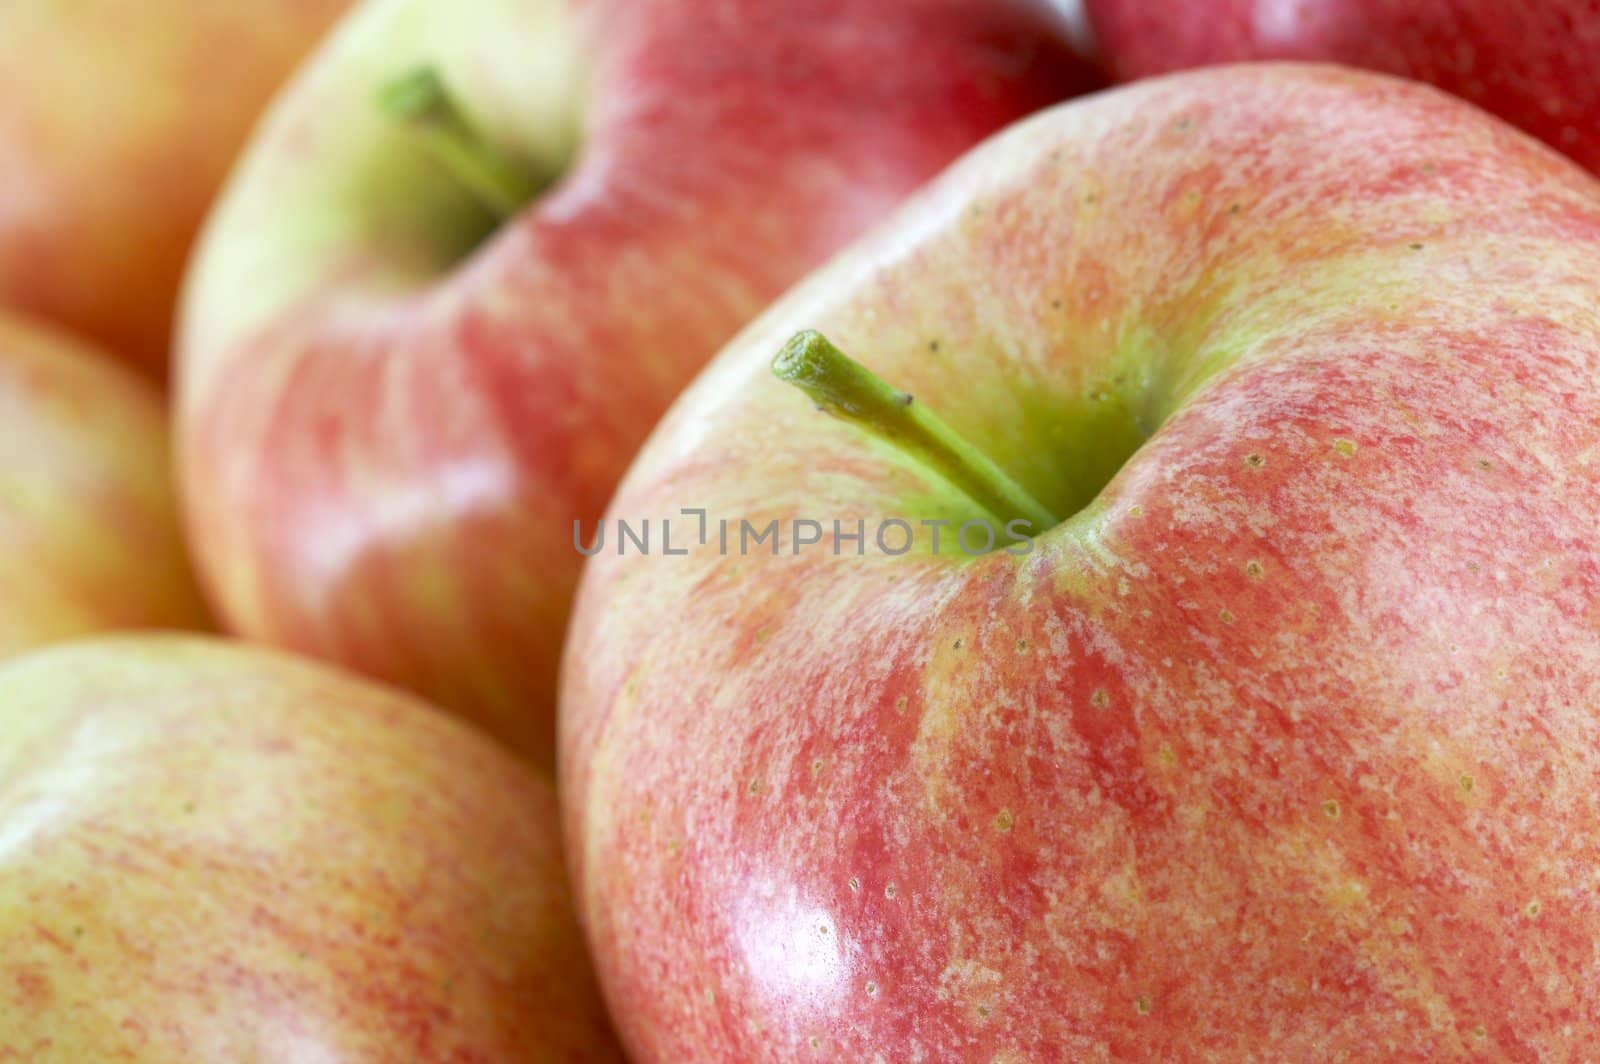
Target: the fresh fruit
(120, 122)
(391, 416)
(215, 853)
(89, 536)
(1532, 63)
(1281, 745)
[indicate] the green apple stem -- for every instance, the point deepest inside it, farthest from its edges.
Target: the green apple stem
(843, 387)
(420, 100)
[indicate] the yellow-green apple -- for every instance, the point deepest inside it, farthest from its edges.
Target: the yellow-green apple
(120, 122)
(89, 535)
(391, 416)
(1531, 63)
(210, 852)
(1279, 744)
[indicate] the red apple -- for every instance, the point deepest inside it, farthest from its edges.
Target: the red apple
(120, 121)
(89, 535)
(210, 853)
(1532, 62)
(388, 427)
(1280, 745)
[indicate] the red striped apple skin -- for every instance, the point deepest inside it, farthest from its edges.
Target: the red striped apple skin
(120, 123)
(1282, 746)
(210, 852)
(1530, 63)
(89, 536)
(383, 450)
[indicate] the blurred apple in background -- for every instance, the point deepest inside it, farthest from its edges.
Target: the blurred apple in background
(1281, 745)
(211, 853)
(120, 120)
(421, 338)
(1532, 62)
(89, 536)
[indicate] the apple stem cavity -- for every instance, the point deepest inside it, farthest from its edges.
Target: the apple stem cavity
(844, 388)
(420, 101)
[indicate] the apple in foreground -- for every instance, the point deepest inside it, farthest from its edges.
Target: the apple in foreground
(119, 125)
(209, 852)
(394, 406)
(89, 536)
(1280, 744)
(1532, 63)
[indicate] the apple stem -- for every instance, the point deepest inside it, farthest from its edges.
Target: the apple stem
(419, 100)
(846, 389)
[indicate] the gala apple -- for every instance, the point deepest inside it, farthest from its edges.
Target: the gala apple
(402, 379)
(211, 853)
(89, 536)
(120, 121)
(1280, 745)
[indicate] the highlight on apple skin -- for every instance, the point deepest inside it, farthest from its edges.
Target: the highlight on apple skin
(1532, 62)
(1280, 746)
(89, 536)
(394, 404)
(215, 853)
(120, 122)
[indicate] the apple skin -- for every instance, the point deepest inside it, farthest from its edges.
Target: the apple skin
(210, 852)
(1530, 63)
(384, 446)
(89, 535)
(120, 123)
(1280, 747)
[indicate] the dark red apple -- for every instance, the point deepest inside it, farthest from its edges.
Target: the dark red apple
(1532, 62)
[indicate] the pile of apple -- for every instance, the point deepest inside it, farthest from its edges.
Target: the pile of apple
(751, 530)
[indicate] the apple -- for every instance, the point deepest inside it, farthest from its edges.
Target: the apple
(403, 378)
(1274, 740)
(89, 536)
(1530, 63)
(120, 122)
(210, 852)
